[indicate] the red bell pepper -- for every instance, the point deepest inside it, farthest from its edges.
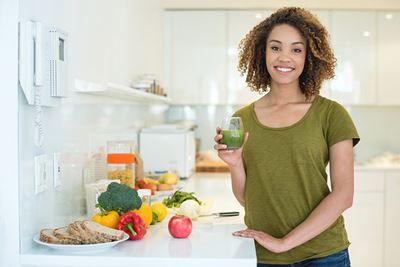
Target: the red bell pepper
(133, 225)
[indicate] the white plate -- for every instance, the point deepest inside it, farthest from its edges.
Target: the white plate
(81, 248)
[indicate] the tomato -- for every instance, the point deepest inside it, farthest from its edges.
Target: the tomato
(142, 184)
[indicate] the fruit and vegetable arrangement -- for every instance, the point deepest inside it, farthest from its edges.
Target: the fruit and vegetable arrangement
(121, 208)
(164, 183)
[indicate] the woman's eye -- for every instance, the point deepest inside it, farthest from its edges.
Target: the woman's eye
(274, 48)
(297, 50)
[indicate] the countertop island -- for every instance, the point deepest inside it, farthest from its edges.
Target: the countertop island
(210, 244)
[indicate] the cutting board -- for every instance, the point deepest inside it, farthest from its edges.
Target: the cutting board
(211, 166)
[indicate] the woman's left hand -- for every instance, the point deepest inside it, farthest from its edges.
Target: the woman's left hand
(276, 245)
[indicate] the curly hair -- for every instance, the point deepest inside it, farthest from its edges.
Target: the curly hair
(320, 61)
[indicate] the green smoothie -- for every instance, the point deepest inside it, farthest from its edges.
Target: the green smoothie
(232, 138)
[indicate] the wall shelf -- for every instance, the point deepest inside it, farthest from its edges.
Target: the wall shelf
(120, 92)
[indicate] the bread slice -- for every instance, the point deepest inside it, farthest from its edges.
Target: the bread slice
(67, 238)
(76, 231)
(47, 235)
(76, 228)
(80, 232)
(102, 231)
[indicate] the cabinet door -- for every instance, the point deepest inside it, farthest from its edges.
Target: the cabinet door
(353, 38)
(388, 58)
(239, 24)
(364, 220)
(392, 219)
(197, 56)
(364, 224)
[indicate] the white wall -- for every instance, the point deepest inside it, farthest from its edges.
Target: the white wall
(109, 41)
(9, 220)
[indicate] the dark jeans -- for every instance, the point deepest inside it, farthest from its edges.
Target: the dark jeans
(340, 259)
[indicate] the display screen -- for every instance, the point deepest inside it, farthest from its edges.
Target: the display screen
(61, 49)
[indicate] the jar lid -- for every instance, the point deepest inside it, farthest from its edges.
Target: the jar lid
(120, 146)
(121, 158)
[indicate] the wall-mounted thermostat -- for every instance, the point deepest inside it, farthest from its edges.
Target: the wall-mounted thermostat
(43, 59)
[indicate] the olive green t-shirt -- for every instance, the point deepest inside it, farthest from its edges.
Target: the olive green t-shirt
(286, 177)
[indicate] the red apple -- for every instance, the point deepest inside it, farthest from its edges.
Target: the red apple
(180, 226)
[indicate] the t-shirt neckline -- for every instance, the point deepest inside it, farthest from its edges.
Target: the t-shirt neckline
(313, 103)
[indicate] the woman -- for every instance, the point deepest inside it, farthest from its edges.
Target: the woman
(279, 174)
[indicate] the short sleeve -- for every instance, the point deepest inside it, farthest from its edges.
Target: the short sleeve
(340, 126)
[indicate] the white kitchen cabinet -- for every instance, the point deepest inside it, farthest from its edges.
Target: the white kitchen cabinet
(388, 58)
(392, 219)
(196, 56)
(325, 18)
(365, 220)
(354, 42)
(201, 49)
(239, 24)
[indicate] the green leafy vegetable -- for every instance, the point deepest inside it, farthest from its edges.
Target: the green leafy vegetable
(119, 197)
(177, 198)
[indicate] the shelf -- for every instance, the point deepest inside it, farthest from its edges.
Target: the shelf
(120, 92)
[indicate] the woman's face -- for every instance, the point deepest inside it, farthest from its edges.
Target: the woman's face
(285, 54)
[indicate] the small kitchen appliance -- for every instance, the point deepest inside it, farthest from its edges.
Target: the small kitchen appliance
(168, 148)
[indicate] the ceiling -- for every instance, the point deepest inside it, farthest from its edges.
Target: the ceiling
(273, 4)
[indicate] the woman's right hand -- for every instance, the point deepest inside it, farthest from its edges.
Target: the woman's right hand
(231, 157)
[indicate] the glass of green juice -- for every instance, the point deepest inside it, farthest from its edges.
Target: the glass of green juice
(232, 132)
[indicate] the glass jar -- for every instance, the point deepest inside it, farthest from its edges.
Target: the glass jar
(121, 162)
(145, 196)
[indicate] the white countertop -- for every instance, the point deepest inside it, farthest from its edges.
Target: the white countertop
(210, 244)
(376, 167)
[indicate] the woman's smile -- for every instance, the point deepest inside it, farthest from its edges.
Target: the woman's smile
(284, 69)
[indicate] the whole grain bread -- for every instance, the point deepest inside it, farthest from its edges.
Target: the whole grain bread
(89, 237)
(63, 234)
(80, 232)
(102, 231)
(75, 230)
(47, 235)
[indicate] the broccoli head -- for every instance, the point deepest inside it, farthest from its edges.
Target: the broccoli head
(119, 197)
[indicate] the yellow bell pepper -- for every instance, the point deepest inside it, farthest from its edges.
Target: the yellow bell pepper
(109, 219)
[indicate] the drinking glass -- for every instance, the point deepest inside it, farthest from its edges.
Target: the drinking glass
(232, 132)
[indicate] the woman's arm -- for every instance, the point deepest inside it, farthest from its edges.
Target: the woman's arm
(327, 212)
(234, 160)
(340, 199)
(238, 180)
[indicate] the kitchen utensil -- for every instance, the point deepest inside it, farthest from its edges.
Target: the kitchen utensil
(223, 214)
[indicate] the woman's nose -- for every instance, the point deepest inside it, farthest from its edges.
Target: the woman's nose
(284, 57)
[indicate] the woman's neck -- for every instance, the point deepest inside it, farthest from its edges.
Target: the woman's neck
(281, 94)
